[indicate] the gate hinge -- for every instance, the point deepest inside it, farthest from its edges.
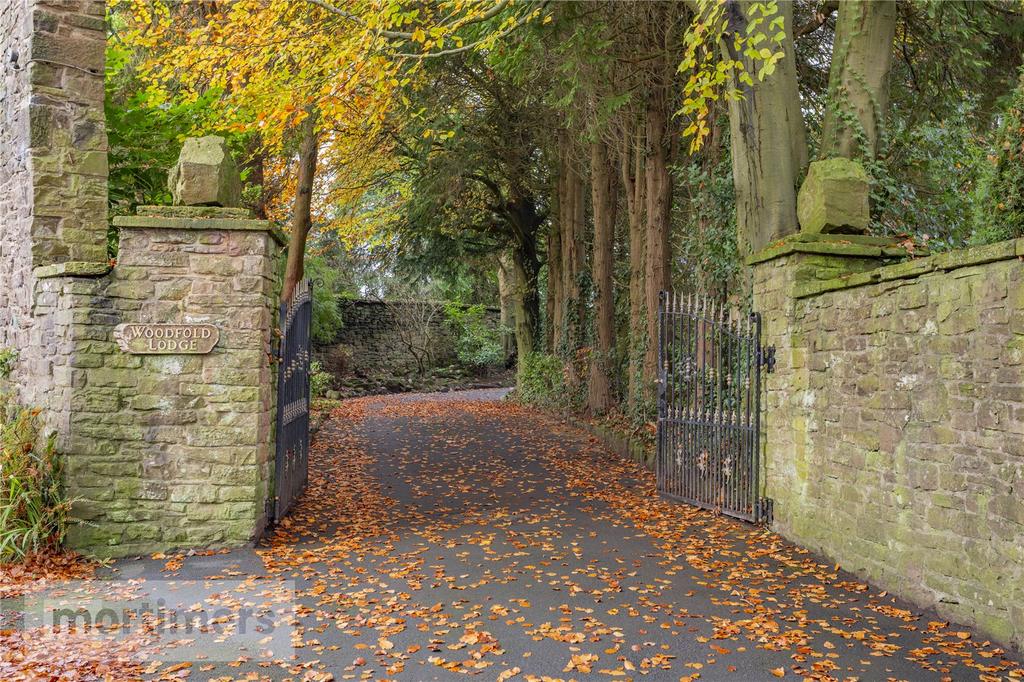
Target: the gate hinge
(766, 358)
(766, 510)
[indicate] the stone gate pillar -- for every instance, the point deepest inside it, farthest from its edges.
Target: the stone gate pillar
(173, 406)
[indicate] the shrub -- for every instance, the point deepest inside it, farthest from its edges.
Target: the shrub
(319, 380)
(477, 343)
(541, 381)
(34, 511)
(326, 321)
(1001, 188)
(7, 359)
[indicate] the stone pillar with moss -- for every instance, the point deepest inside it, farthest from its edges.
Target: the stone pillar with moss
(169, 443)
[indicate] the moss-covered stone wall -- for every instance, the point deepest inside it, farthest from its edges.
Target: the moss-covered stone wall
(53, 165)
(166, 451)
(894, 422)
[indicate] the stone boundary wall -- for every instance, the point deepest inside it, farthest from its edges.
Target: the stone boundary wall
(376, 334)
(894, 422)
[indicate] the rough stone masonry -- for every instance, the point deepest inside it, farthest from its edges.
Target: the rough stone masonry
(894, 422)
(164, 450)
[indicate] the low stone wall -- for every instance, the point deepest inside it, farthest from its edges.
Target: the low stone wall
(390, 334)
(894, 422)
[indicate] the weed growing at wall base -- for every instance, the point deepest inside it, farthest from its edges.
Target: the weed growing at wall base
(34, 510)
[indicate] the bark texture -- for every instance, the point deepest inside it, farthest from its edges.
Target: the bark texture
(506, 285)
(603, 194)
(769, 147)
(573, 252)
(858, 80)
(302, 218)
(658, 208)
(631, 165)
(525, 302)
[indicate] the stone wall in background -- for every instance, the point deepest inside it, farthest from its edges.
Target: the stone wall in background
(169, 451)
(390, 335)
(894, 422)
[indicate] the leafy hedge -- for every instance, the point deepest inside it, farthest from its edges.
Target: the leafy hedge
(541, 381)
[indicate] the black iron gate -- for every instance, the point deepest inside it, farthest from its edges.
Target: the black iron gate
(290, 473)
(709, 405)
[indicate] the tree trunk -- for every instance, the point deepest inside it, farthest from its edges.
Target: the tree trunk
(858, 92)
(602, 187)
(555, 299)
(556, 257)
(573, 261)
(525, 301)
(301, 214)
(659, 207)
(632, 168)
(506, 284)
(769, 146)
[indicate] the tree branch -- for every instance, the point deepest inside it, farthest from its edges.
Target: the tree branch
(821, 15)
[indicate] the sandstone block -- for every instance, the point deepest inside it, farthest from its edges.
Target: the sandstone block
(205, 174)
(834, 198)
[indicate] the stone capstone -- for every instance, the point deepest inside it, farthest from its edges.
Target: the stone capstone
(834, 198)
(205, 174)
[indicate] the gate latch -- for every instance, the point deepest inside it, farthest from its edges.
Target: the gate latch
(766, 358)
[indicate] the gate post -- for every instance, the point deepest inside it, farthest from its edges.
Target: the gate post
(172, 406)
(779, 273)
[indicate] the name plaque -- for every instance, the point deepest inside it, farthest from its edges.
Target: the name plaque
(162, 339)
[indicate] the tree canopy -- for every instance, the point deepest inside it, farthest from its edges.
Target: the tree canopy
(574, 159)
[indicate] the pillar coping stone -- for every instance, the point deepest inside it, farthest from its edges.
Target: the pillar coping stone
(852, 245)
(206, 218)
(72, 269)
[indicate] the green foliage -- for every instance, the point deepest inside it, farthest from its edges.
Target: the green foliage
(145, 135)
(8, 357)
(541, 381)
(477, 343)
(34, 510)
(924, 186)
(319, 380)
(708, 260)
(327, 320)
(754, 53)
(1000, 200)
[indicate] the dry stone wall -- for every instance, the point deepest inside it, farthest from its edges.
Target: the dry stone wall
(389, 335)
(894, 422)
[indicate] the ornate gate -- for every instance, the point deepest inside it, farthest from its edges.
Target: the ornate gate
(709, 406)
(290, 472)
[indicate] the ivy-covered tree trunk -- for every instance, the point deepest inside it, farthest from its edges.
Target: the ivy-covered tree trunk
(658, 209)
(556, 239)
(555, 299)
(858, 92)
(525, 301)
(602, 187)
(573, 262)
(302, 218)
(506, 285)
(769, 145)
(631, 165)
